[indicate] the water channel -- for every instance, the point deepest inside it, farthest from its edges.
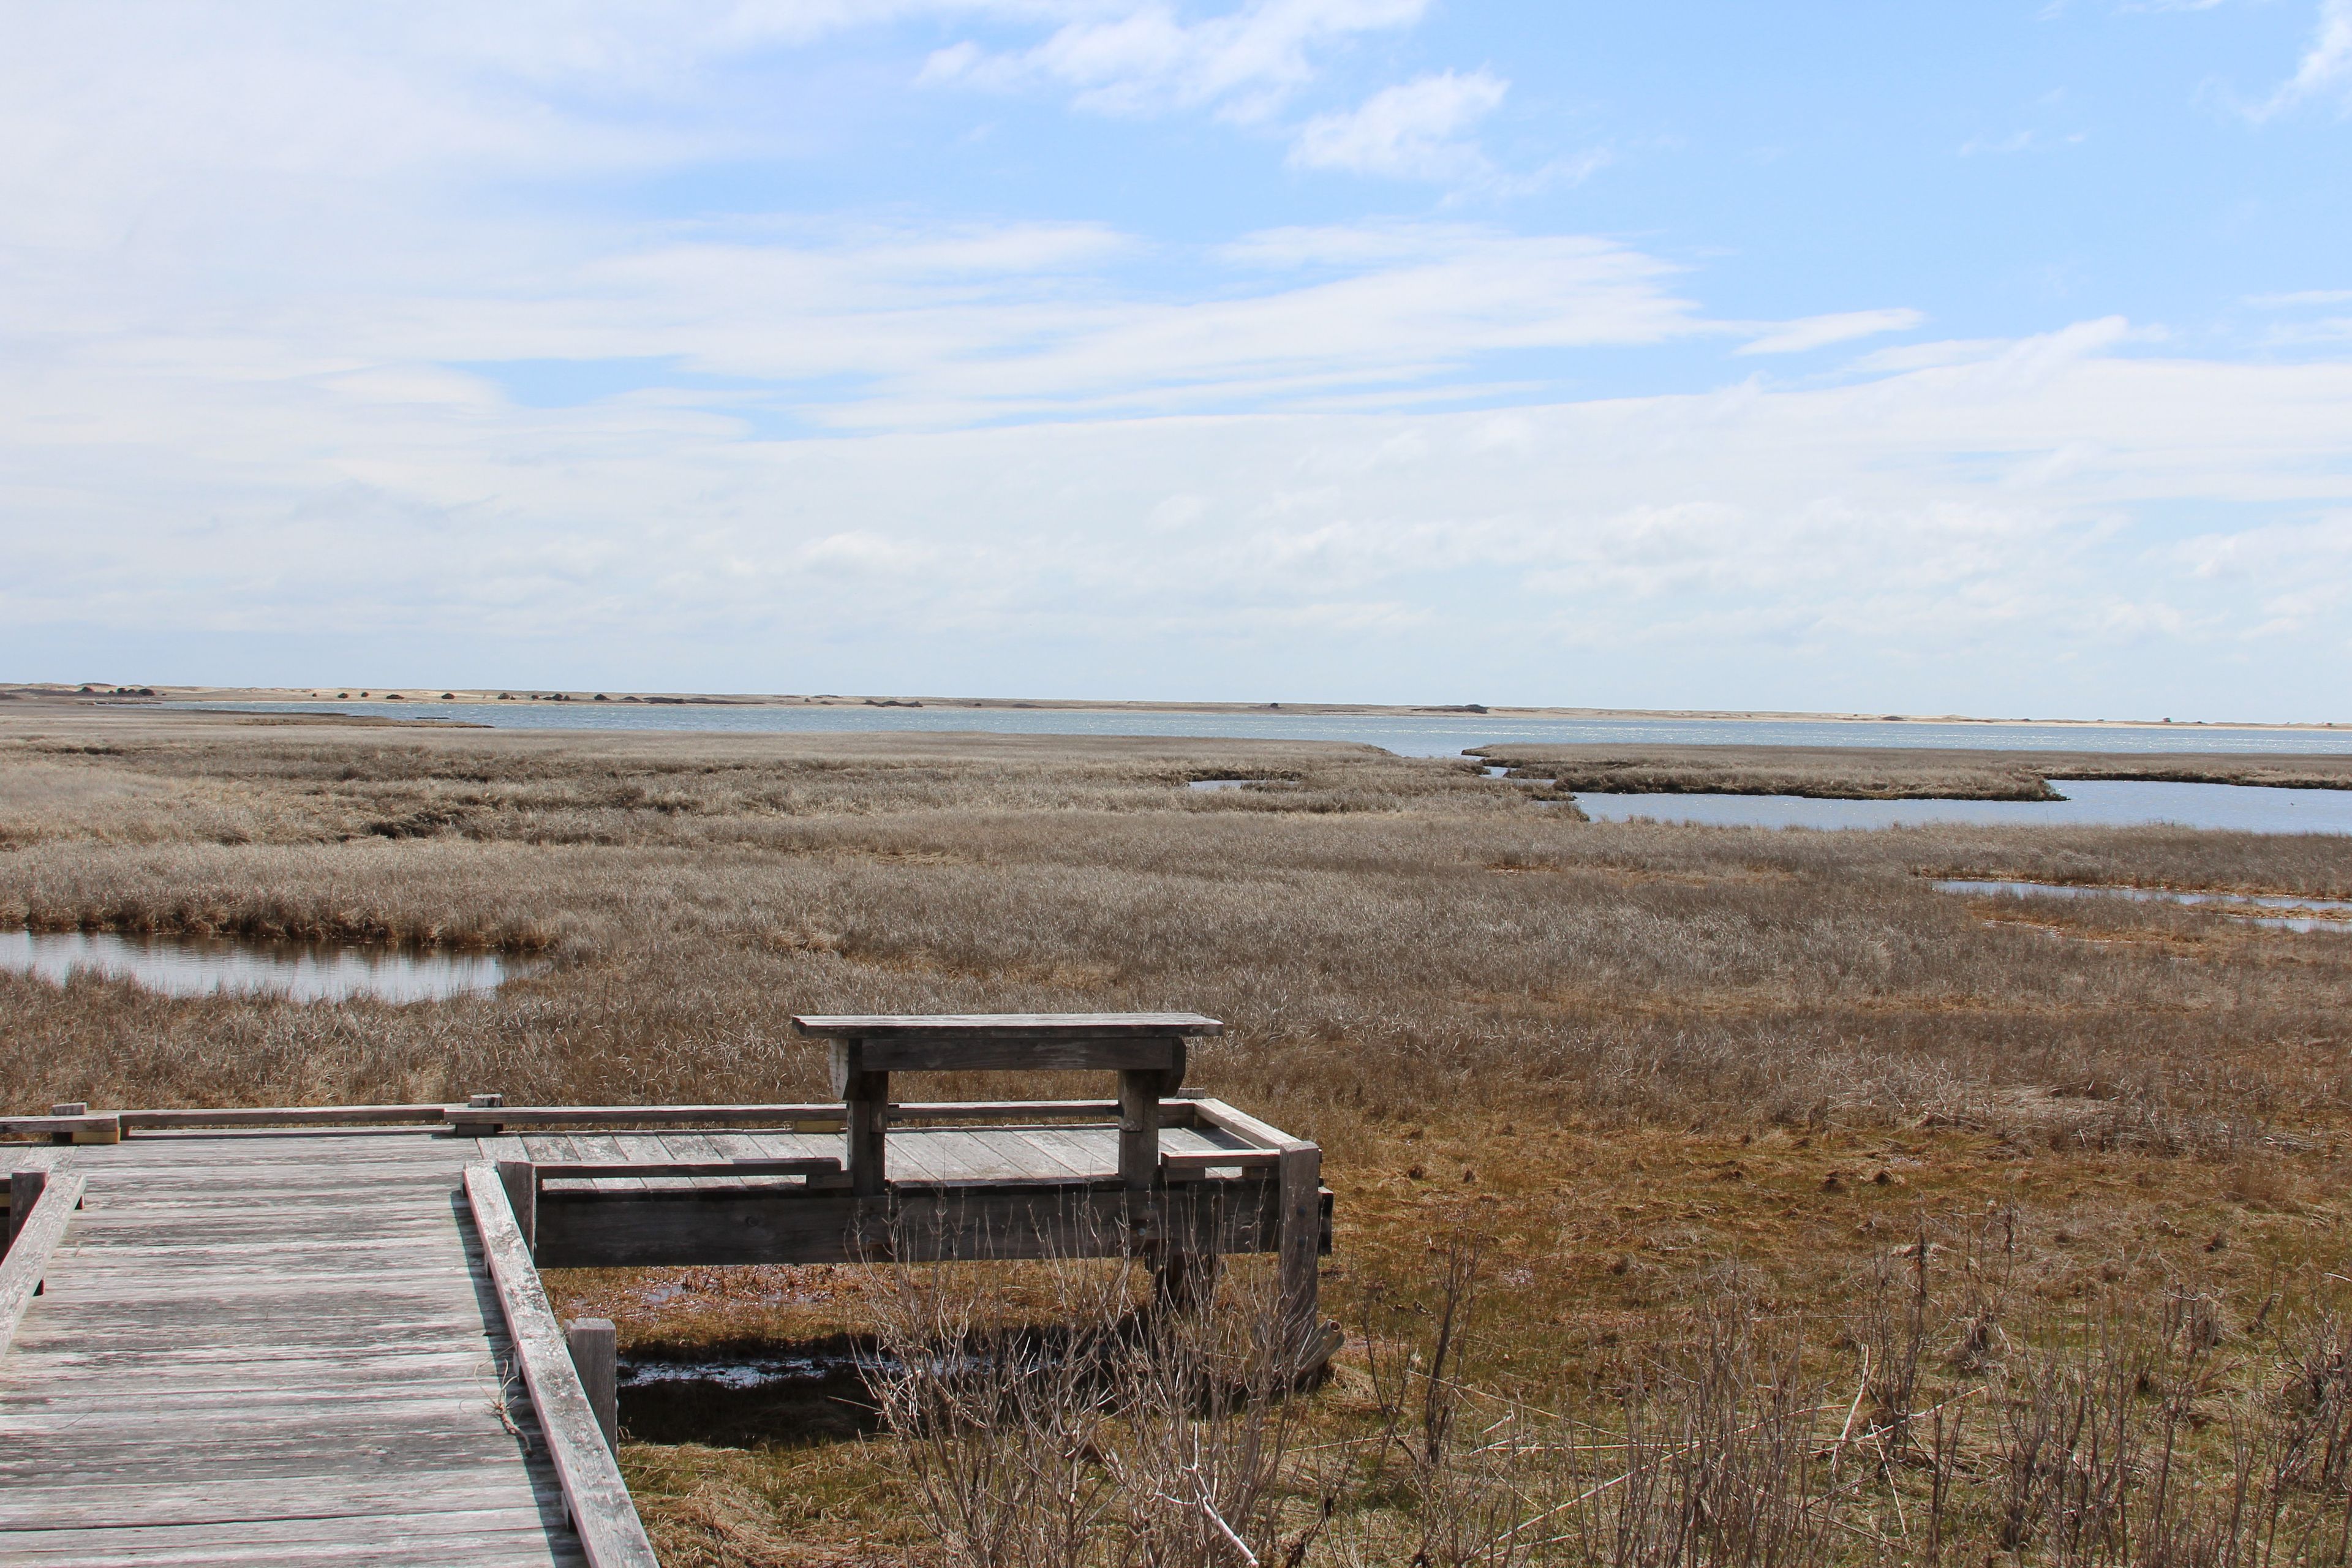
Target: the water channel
(2243, 808)
(1433, 734)
(227, 966)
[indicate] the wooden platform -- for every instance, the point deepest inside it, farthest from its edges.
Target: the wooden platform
(271, 1348)
(300, 1345)
(267, 1336)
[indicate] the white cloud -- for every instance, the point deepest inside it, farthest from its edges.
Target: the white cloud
(2326, 67)
(1145, 58)
(1985, 508)
(1414, 131)
(907, 329)
(2301, 296)
(252, 251)
(1818, 331)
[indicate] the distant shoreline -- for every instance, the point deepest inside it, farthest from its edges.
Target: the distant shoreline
(109, 695)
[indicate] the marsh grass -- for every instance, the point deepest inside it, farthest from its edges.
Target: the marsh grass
(1693, 1089)
(1964, 1416)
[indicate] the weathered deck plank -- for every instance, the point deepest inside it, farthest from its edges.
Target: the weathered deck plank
(271, 1348)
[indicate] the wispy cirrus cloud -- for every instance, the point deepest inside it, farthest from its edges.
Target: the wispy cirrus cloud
(1418, 130)
(1145, 59)
(1820, 331)
(2325, 67)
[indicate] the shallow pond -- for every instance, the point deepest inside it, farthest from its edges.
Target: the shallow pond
(2309, 914)
(301, 972)
(2245, 808)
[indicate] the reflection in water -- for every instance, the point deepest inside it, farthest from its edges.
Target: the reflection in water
(301, 972)
(819, 1396)
(2243, 808)
(2313, 914)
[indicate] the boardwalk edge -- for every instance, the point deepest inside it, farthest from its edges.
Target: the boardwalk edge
(603, 1515)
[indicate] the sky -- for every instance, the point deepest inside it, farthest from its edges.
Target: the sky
(1988, 358)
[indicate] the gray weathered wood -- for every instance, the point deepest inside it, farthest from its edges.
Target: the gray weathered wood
(865, 1099)
(1241, 1125)
(1083, 1153)
(649, 1115)
(79, 1129)
(1063, 1218)
(286, 1116)
(1174, 1112)
(1161, 1054)
(602, 1514)
(29, 1171)
(1005, 1025)
(642, 1169)
(521, 1180)
(28, 1250)
(1193, 1160)
(1304, 1230)
(1139, 1129)
(246, 1308)
(595, 1356)
(1301, 1186)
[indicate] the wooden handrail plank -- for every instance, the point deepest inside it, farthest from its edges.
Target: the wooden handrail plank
(1175, 1114)
(1248, 1128)
(99, 1126)
(611, 1535)
(597, 1170)
(1003, 1025)
(1221, 1159)
(28, 1253)
(520, 1116)
(287, 1116)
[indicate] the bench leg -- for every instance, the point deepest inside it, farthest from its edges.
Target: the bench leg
(866, 1097)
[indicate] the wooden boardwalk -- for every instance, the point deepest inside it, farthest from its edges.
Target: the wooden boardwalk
(318, 1335)
(272, 1348)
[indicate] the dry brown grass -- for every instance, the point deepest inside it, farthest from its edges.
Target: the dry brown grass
(1892, 773)
(1629, 1055)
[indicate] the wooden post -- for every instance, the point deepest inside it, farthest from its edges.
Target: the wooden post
(866, 1097)
(25, 1189)
(521, 1180)
(1139, 1173)
(1299, 1177)
(1139, 1129)
(597, 1359)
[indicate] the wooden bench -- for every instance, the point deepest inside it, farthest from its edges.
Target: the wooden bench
(1145, 1049)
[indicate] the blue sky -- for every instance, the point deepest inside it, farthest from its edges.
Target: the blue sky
(1992, 358)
